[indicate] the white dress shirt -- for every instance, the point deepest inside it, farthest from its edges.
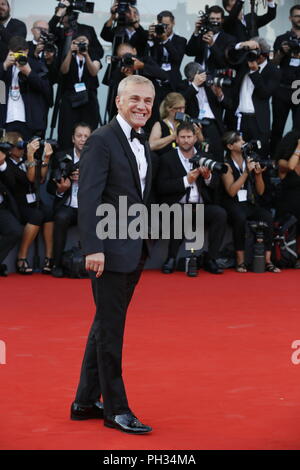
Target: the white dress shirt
(15, 105)
(246, 104)
(195, 196)
(138, 150)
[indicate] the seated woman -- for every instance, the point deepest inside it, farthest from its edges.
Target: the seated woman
(34, 213)
(163, 134)
(288, 157)
(243, 184)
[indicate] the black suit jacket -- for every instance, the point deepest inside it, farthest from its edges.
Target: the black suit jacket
(175, 48)
(170, 185)
(14, 28)
(265, 85)
(192, 105)
(108, 169)
(6, 182)
(232, 25)
(137, 40)
(36, 92)
(217, 59)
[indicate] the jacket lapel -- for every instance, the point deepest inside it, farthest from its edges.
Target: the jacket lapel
(129, 154)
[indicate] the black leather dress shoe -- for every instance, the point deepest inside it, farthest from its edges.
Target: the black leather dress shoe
(211, 266)
(57, 272)
(126, 423)
(80, 413)
(168, 266)
(3, 270)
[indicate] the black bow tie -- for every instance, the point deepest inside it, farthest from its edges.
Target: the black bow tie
(136, 135)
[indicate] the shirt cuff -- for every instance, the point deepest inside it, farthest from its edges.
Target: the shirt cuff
(238, 46)
(185, 182)
(59, 194)
(196, 87)
(150, 43)
(3, 166)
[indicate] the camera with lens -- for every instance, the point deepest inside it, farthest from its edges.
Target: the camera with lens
(220, 77)
(21, 58)
(123, 8)
(82, 46)
(294, 45)
(182, 117)
(39, 153)
(207, 24)
(125, 61)
(79, 5)
(160, 29)
(259, 229)
(48, 41)
(203, 158)
(65, 168)
(249, 151)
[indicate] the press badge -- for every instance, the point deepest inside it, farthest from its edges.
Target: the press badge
(294, 62)
(242, 195)
(31, 197)
(79, 87)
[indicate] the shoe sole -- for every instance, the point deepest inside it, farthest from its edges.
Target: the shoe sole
(123, 430)
(81, 418)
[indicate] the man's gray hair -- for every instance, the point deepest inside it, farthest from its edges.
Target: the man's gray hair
(136, 80)
(191, 69)
(263, 45)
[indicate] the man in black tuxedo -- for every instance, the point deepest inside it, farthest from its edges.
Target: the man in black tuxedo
(241, 26)
(113, 163)
(11, 230)
(211, 47)
(9, 27)
(256, 81)
(178, 183)
(167, 49)
(65, 191)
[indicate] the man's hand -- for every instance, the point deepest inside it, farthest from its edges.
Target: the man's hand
(9, 61)
(32, 147)
(204, 172)
(152, 33)
(2, 157)
(95, 262)
(217, 90)
(253, 66)
(199, 79)
(193, 175)
(208, 38)
(63, 185)
(197, 26)
(39, 48)
(62, 11)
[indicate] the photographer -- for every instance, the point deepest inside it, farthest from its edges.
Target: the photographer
(287, 56)
(256, 81)
(128, 63)
(209, 42)
(64, 23)
(206, 100)
(28, 91)
(288, 157)
(79, 100)
(163, 134)
(11, 229)
(9, 27)
(243, 185)
(34, 213)
(124, 27)
(44, 49)
(63, 183)
(178, 182)
(241, 26)
(167, 49)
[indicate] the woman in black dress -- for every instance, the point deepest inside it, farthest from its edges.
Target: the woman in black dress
(288, 157)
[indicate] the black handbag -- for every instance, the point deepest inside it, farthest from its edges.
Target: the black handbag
(79, 98)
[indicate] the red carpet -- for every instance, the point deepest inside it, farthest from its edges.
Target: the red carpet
(207, 362)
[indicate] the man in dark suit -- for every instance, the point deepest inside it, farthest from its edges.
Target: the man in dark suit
(256, 81)
(9, 27)
(65, 191)
(211, 47)
(11, 229)
(114, 163)
(125, 29)
(207, 102)
(28, 91)
(178, 183)
(167, 49)
(241, 26)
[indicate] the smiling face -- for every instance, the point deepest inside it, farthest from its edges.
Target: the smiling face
(135, 104)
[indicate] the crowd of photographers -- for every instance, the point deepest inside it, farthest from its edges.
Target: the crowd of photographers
(216, 133)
